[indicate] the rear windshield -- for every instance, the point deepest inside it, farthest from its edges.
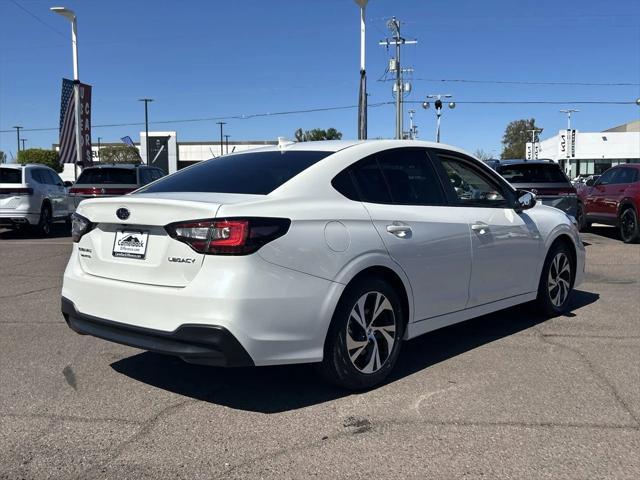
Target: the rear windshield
(10, 175)
(533, 173)
(256, 173)
(93, 176)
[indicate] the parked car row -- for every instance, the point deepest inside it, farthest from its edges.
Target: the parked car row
(35, 196)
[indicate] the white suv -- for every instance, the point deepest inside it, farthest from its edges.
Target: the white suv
(32, 195)
(328, 252)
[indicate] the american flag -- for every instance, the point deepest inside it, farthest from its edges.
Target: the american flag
(67, 124)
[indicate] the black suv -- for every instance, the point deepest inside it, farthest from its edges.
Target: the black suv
(545, 178)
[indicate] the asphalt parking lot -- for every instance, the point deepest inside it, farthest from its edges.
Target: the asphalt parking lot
(508, 395)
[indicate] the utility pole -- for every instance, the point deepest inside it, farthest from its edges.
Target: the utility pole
(226, 143)
(99, 139)
(394, 66)
(23, 140)
(146, 125)
(362, 95)
(569, 111)
(221, 142)
(18, 134)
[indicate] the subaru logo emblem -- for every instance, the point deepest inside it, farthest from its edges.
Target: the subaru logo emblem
(122, 213)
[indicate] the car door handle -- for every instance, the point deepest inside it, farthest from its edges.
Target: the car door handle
(480, 227)
(399, 230)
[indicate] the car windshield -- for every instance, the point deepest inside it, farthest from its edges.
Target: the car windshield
(256, 173)
(533, 173)
(99, 176)
(10, 175)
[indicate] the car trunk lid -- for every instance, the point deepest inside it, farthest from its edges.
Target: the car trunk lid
(129, 242)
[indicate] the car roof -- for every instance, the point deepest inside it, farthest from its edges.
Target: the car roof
(632, 165)
(116, 165)
(337, 145)
(18, 166)
(518, 161)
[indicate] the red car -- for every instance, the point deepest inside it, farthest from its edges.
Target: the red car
(614, 199)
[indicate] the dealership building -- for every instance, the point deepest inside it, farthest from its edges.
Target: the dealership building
(169, 154)
(590, 152)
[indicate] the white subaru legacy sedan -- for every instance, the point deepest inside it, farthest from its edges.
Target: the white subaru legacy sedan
(329, 252)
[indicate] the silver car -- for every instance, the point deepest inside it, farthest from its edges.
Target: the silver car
(32, 195)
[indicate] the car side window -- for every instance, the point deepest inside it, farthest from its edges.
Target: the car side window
(54, 178)
(145, 176)
(370, 181)
(472, 188)
(625, 175)
(410, 177)
(39, 176)
(607, 177)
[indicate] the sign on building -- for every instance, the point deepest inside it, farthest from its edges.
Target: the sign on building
(567, 143)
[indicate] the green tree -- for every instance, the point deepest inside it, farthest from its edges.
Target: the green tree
(317, 134)
(119, 154)
(3, 157)
(516, 137)
(50, 158)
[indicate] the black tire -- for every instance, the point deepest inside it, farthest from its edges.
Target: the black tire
(45, 224)
(628, 225)
(583, 225)
(337, 365)
(554, 300)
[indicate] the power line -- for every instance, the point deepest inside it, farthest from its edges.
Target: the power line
(345, 107)
(209, 119)
(524, 82)
(38, 19)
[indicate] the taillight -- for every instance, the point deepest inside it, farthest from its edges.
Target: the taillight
(16, 191)
(80, 226)
(228, 236)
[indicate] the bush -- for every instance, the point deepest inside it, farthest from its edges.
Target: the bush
(50, 158)
(119, 154)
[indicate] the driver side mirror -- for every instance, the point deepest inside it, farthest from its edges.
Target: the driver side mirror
(524, 200)
(68, 184)
(590, 182)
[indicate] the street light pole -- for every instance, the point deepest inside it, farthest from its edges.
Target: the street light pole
(221, 142)
(146, 126)
(18, 135)
(438, 106)
(362, 95)
(71, 16)
(569, 111)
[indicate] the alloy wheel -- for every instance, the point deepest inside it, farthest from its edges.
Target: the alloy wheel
(559, 279)
(371, 332)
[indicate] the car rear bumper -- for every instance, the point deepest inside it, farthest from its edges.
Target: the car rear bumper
(201, 344)
(277, 315)
(15, 218)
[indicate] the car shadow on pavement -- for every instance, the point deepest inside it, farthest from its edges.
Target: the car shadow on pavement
(58, 230)
(612, 233)
(290, 387)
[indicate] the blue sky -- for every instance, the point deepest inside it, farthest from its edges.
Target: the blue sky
(201, 59)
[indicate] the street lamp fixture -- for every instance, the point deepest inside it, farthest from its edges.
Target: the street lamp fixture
(438, 106)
